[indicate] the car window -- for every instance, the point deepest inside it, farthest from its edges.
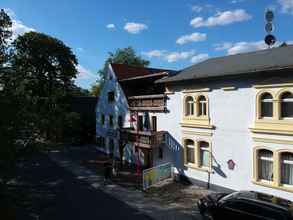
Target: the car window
(273, 214)
(243, 207)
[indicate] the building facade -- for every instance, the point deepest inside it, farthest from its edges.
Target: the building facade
(228, 122)
(234, 121)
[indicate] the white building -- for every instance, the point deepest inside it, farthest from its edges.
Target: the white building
(228, 121)
(233, 117)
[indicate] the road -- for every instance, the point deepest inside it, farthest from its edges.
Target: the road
(54, 193)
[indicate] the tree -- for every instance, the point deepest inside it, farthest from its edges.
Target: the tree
(124, 55)
(44, 70)
(95, 89)
(5, 35)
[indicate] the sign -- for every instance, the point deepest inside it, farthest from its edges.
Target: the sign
(156, 174)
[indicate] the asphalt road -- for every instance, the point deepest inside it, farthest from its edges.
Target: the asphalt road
(54, 193)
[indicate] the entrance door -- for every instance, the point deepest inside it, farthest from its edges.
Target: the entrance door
(140, 123)
(154, 123)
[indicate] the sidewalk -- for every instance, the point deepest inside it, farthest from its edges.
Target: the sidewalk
(135, 198)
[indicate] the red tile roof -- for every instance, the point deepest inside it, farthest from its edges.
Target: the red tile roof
(124, 71)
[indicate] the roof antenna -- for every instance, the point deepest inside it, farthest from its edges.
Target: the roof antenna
(270, 39)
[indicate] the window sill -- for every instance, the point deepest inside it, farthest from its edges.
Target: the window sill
(273, 126)
(197, 123)
(193, 166)
(271, 185)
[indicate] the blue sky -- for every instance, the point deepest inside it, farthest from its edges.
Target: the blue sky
(170, 33)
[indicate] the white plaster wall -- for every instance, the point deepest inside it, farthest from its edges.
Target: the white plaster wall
(119, 107)
(232, 113)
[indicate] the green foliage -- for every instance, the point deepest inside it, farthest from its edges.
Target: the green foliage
(43, 72)
(95, 89)
(124, 55)
(5, 35)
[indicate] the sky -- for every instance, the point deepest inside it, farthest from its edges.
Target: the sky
(170, 34)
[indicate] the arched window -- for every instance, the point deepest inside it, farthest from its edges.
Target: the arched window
(265, 165)
(189, 145)
(189, 106)
(287, 105)
(287, 168)
(266, 105)
(204, 154)
(202, 106)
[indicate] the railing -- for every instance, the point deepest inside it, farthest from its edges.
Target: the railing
(147, 103)
(144, 139)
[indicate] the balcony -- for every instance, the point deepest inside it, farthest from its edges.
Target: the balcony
(143, 139)
(156, 103)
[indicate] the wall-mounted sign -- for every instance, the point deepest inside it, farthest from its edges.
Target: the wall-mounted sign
(231, 164)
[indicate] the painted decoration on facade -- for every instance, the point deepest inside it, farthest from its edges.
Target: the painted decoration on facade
(156, 174)
(231, 164)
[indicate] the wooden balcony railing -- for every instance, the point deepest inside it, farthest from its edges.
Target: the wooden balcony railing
(147, 102)
(144, 139)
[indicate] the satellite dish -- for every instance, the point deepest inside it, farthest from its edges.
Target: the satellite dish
(269, 28)
(270, 40)
(269, 15)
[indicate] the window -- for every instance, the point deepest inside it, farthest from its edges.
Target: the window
(101, 141)
(111, 148)
(287, 105)
(120, 121)
(189, 106)
(265, 165)
(204, 154)
(111, 96)
(102, 119)
(266, 105)
(111, 120)
(189, 144)
(287, 168)
(202, 106)
(160, 153)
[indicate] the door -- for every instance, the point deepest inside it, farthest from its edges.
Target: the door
(154, 123)
(140, 123)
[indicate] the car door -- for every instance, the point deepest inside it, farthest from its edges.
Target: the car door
(238, 209)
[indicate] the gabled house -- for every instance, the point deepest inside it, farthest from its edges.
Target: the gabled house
(127, 112)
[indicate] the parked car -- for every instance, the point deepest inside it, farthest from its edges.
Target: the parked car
(245, 205)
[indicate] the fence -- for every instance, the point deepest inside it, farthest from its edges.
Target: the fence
(156, 174)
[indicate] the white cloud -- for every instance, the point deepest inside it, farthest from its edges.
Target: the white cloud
(168, 56)
(236, 1)
(84, 74)
(135, 28)
(223, 46)
(221, 18)
(242, 47)
(197, 8)
(194, 37)
(111, 26)
(287, 6)
(200, 57)
(154, 53)
(176, 56)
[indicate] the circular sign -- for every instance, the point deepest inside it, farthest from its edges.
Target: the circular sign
(269, 16)
(270, 39)
(269, 27)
